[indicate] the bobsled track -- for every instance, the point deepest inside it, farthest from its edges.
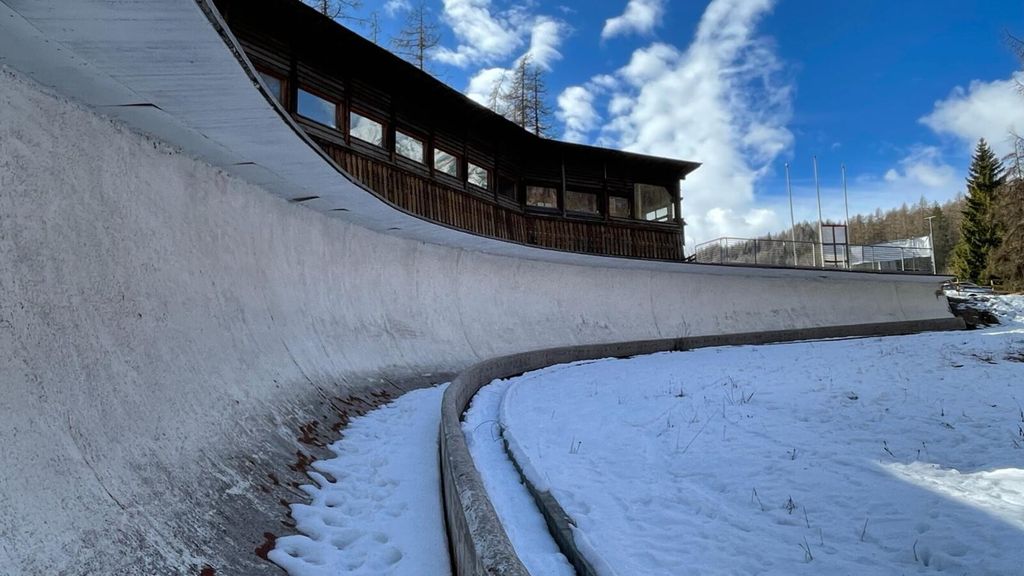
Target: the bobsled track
(177, 339)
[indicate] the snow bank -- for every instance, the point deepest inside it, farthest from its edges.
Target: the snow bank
(869, 456)
(376, 508)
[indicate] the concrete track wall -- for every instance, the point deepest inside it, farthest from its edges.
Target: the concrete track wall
(165, 331)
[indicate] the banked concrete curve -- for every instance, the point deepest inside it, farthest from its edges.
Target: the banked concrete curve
(476, 536)
(178, 340)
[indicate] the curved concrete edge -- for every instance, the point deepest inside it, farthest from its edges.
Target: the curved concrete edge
(479, 543)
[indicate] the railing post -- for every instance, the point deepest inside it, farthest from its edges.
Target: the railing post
(903, 261)
(755, 251)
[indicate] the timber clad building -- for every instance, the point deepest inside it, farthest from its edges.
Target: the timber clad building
(433, 152)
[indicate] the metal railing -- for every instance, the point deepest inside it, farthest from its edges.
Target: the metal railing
(800, 254)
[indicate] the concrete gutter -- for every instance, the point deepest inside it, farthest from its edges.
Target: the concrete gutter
(479, 543)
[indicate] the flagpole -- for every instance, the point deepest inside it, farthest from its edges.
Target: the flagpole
(821, 237)
(792, 219)
(846, 203)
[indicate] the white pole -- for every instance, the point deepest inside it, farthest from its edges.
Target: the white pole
(931, 242)
(792, 218)
(846, 203)
(821, 238)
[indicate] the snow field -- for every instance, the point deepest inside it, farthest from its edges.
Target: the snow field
(901, 455)
(376, 507)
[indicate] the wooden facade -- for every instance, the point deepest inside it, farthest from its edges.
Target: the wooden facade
(432, 152)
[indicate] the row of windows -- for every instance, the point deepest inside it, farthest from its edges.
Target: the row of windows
(370, 131)
(653, 203)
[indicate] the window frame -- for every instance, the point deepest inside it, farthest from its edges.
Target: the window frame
(424, 142)
(433, 164)
(282, 80)
(629, 202)
(372, 118)
(642, 211)
(487, 176)
(317, 94)
(597, 202)
(547, 185)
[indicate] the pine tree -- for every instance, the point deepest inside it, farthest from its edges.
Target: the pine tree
(417, 38)
(1006, 260)
(979, 230)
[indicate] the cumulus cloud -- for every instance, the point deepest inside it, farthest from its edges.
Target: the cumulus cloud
(639, 17)
(482, 84)
(576, 111)
(545, 38)
(723, 101)
(989, 110)
(483, 36)
(923, 169)
(545, 34)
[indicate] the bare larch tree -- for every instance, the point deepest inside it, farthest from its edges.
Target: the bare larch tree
(417, 38)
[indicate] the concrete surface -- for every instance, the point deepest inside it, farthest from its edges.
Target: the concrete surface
(166, 328)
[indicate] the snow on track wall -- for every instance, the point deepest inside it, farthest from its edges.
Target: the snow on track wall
(166, 329)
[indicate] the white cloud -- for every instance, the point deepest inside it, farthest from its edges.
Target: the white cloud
(482, 84)
(640, 17)
(576, 111)
(923, 169)
(989, 110)
(483, 36)
(721, 102)
(545, 34)
(393, 7)
(545, 38)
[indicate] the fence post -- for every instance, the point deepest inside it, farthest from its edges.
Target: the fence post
(755, 251)
(903, 261)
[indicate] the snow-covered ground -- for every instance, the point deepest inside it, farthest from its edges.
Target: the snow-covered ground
(512, 501)
(901, 455)
(381, 514)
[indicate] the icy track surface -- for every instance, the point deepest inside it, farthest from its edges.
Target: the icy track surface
(382, 513)
(900, 455)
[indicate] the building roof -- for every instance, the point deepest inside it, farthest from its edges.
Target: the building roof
(392, 74)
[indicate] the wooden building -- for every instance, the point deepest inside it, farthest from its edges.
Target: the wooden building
(433, 152)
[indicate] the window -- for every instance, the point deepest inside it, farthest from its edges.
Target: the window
(507, 187)
(275, 84)
(477, 176)
(409, 147)
(446, 163)
(542, 196)
(318, 109)
(618, 207)
(584, 202)
(365, 129)
(654, 203)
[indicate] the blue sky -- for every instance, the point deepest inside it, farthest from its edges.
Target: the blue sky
(899, 91)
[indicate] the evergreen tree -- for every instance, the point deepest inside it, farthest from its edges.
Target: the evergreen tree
(979, 230)
(417, 38)
(1006, 260)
